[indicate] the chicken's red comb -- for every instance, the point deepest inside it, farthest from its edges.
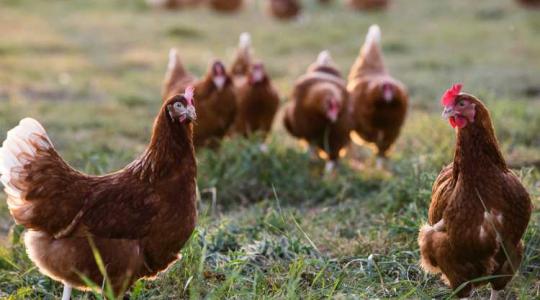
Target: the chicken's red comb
(451, 94)
(188, 94)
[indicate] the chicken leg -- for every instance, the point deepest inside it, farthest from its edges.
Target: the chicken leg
(66, 295)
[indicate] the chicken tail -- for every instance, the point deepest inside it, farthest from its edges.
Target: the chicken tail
(175, 65)
(18, 150)
(175, 68)
(370, 59)
(43, 191)
(373, 36)
(175, 73)
(242, 61)
(324, 58)
(245, 41)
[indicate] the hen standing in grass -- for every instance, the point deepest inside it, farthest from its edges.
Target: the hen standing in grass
(257, 98)
(318, 110)
(535, 4)
(138, 218)
(284, 9)
(216, 101)
(479, 210)
(225, 5)
(379, 102)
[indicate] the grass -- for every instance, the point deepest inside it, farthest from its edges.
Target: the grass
(271, 227)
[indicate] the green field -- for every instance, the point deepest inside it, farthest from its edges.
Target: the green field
(271, 226)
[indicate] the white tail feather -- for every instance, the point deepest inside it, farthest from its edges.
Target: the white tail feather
(245, 41)
(373, 35)
(34, 125)
(12, 191)
(324, 58)
(173, 58)
(8, 159)
(17, 150)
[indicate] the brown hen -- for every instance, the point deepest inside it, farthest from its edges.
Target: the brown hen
(284, 9)
(479, 209)
(226, 6)
(138, 218)
(216, 100)
(258, 103)
(379, 102)
(534, 4)
(318, 110)
(257, 98)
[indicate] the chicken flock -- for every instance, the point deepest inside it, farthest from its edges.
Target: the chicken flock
(279, 9)
(288, 9)
(140, 217)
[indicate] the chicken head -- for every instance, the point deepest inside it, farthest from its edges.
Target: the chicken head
(181, 107)
(219, 75)
(459, 109)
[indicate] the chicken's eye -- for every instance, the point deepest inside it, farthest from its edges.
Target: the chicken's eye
(177, 105)
(461, 103)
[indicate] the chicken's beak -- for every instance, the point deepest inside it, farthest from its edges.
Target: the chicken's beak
(448, 112)
(333, 116)
(388, 95)
(191, 114)
(257, 76)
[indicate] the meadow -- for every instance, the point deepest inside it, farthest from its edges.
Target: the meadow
(271, 225)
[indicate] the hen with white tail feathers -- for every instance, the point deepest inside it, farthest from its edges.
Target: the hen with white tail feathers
(138, 218)
(379, 101)
(30, 166)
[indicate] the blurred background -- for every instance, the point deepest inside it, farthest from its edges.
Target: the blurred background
(271, 225)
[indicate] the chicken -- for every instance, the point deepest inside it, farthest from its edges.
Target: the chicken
(138, 218)
(479, 210)
(379, 102)
(258, 103)
(284, 9)
(535, 4)
(257, 98)
(318, 110)
(368, 4)
(173, 4)
(226, 5)
(216, 99)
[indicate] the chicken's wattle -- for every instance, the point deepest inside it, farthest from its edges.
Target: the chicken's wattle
(457, 121)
